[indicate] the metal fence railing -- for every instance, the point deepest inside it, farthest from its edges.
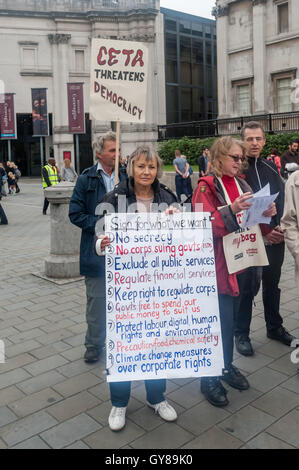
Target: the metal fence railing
(272, 123)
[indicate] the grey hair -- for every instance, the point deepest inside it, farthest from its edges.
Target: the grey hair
(99, 143)
(251, 125)
(150, 155)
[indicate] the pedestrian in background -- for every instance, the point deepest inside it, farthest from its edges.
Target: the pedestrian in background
(3, 180)
(50, 178)
(274, 157)
(204, 164)
(290, 159)
(68, 172)
(3, 218)
(181, 167)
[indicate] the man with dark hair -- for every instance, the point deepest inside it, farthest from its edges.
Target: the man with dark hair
(89, 191)
(260, 172)
(290, 159)
(203, 162)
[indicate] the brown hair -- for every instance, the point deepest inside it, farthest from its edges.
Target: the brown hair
(221, 148)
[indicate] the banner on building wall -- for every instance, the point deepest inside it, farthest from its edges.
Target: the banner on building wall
(7, 116)
(119, 78)
(76, 108)
(40, 118)
(162, 298)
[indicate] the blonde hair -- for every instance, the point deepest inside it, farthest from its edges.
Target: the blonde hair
(67, 163)
(150, 155)
(221, 148)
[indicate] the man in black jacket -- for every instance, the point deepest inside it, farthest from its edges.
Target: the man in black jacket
(290, 157)
(259, 173)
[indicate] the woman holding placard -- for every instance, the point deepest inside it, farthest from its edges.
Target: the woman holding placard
(225, 196)
(142, 188)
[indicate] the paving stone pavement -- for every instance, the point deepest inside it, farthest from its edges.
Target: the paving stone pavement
(49, 398)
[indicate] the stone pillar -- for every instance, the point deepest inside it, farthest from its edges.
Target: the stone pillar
(63, 261)
(259, 56)
(224, 91)
(62, 140)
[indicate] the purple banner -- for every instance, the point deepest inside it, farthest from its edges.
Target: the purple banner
(7, 116)
(39, 112)
(76, 108)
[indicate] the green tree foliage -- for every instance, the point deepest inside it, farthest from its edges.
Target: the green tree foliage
(193, 148)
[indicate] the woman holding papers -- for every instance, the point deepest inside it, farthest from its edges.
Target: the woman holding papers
(226, 196)
(142, 188)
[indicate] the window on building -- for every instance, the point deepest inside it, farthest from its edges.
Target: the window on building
(79, 61)
(171, 58)
(170, 25)
(29, 59)
(185, 52)
(172, 104)
(197, 29)
(242, 97)
(186, 102)
(284, 102)
(243, 100)
(283, 17)
(28, 55)
(197, 62)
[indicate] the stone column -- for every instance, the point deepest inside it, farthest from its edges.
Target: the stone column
(259, 56)
(63, 261)
(62, 140)
(224, 97)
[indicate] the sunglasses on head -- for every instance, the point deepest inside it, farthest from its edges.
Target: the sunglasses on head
(237, 158)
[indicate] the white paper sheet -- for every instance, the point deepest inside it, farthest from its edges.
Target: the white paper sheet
(260, 203)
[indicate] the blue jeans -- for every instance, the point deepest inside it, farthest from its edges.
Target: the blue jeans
(95, 312)
(120, 392)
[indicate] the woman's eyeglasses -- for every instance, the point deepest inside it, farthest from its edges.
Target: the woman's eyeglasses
(237, 158)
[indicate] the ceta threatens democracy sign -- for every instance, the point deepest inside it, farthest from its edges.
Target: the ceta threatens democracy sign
(119, 71)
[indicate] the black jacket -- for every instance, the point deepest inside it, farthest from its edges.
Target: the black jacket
(260, 172)
(162, 194)
(201, 165)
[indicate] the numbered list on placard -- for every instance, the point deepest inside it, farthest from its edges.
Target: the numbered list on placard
(162, 303)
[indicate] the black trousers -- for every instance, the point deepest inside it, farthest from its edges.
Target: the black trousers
(46, 205)
(3, 218)
(270, 290)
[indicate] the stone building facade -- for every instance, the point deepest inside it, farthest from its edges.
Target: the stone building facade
(47, 43)
(258, 60)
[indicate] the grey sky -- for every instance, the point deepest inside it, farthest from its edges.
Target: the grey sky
(194, 7)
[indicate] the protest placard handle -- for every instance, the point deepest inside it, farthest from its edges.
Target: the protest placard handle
(117, 152)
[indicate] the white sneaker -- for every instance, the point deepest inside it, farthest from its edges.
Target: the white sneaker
(164, 410)
(117, 418)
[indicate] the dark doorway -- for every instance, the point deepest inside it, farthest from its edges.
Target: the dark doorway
(85, 148)
(25, 150)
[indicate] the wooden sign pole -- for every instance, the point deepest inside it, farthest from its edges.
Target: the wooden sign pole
(117, 152)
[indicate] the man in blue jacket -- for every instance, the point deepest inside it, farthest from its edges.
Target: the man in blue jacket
(89, 191)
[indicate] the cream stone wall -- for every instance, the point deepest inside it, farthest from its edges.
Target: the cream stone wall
(54, 29)
(249, 47)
